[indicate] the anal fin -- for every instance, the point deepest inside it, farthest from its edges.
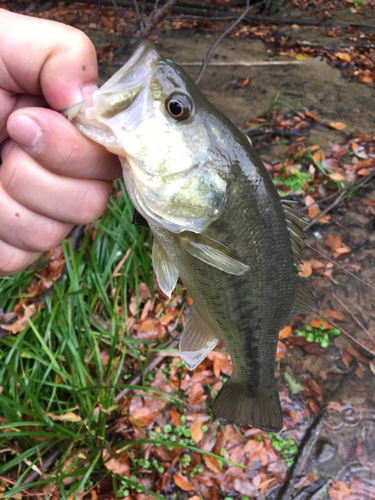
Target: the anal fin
(197, 340)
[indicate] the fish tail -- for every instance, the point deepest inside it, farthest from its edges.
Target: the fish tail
(234, 404)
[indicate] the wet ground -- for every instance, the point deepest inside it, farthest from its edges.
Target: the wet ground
(337, 447)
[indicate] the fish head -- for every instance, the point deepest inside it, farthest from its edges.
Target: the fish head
(155, 119)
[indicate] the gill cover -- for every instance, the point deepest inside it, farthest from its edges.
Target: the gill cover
(150, 114)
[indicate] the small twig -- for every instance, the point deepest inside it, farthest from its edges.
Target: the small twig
(356, 185)
(155, 17)
(354, 317)
(372, 353)
(240, 63)
(48, 462)
(139, 17)
(206, 60)
(324, 212)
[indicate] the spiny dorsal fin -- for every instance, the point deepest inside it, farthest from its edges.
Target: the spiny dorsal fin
(296, 222)
(304, 299)
(197, 340)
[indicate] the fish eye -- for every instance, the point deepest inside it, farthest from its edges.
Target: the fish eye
(178, 106)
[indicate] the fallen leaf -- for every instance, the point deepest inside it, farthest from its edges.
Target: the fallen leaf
(312, 210)
(333, 241)
(176, 417)
(285, 332)
(150, 329)
(339, 491)
(335, 315)
(337, 125)
(333, 407)
(311, 115)
(66, 417)
(344, 56)
(212, 464)
(245, 82)
(182, 481)
(196, 430)
(196, 394)
(144, 416)
(306, 270)
(367, 79)
(317, 323)
(367, 201)
(364, 171)
(114, 465)
(144, 290)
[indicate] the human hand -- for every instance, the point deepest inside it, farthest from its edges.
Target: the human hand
(52, 177)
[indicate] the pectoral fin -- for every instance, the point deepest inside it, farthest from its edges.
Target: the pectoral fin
(197, 340)
(213, 253)
(166, 273)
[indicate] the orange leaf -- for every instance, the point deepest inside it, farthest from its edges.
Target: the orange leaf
(196, 430)
(317, 323)
(344, 56)
(314, 210)
(333, 241)
(306, 270)
(285, 332)
(367, 201)
(311, 115)
(144, 416)
(333, 406)
(114, 465)
(182, 481)
(335, 315)
(364, 171)
(245, 82)
(196, 394)
(367, 79)
(190, 300)
(339, 491)
(212, 464)
(337, 125)
(176, 417)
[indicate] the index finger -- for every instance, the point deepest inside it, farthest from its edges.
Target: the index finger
(45, 57)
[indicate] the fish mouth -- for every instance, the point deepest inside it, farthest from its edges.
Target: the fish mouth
(121, 90)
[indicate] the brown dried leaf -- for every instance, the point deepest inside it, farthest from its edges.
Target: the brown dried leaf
(311, 115)
(176, 417)
(344, 56)
(337, 125)
(196, 430)
(335, 315)
(333, 241)
(367, 201)
(144, 416)
(245, 82)
(150, 329)
(114, 465)
(196, 394)
(212, 464)
(314, 209)
(333, 407)
(367, 79)
(306, 270)
(285, 332)
(339, 491)
(182, 481)
(66, 417)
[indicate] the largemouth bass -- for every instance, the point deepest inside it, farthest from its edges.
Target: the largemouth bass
(217, 221)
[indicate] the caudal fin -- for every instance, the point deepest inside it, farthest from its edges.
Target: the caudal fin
(234, 405)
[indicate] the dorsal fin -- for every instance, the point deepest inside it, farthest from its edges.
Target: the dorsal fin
(296, 222)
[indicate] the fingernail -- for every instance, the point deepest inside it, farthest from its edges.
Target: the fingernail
(89, 90)
(25, 131)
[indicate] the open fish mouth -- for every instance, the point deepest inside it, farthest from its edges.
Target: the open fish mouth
(121, 90)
